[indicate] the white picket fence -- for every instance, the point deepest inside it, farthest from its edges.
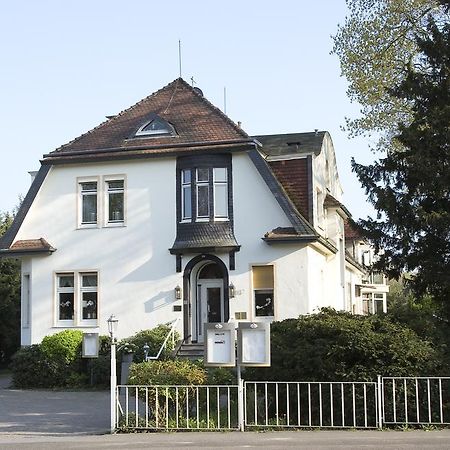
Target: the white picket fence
(276, 405)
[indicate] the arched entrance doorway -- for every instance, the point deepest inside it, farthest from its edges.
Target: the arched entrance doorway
(205, 295)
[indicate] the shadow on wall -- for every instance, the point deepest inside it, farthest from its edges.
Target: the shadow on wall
(161, 300)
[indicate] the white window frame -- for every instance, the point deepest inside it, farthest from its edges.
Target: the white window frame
(77, 290)
(26, 300)
(220, 183)
(80, 195)
(185, 186)
(106, 180)
(199, 184)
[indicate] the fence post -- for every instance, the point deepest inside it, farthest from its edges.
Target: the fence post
(380, 402)
(240, 398)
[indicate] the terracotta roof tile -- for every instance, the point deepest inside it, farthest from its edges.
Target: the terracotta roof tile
(293, 176)
(31, 245)
(351, 232)
(194, 118)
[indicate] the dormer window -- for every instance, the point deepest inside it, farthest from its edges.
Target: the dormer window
(156, 126)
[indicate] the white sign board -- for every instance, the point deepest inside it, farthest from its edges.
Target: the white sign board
(254, 344)
(90, 345)
(220, 345)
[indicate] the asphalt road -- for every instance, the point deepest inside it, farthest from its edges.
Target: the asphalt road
(273, 440)
(80, 420)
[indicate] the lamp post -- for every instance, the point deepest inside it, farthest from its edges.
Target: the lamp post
(146, 350)
(112, 328)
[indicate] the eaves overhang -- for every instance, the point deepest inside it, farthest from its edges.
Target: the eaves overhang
(10, 253)
(146, 151)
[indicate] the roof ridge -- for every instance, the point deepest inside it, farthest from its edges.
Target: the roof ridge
(126, 110)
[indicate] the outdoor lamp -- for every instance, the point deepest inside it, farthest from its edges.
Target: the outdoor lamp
(146, 349)
(112, 326)
(231, 290)
(178, 293)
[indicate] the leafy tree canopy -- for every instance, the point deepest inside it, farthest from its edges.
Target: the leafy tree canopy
(375, 45)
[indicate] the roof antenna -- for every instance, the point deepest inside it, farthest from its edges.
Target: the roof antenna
(225, 99)
(179, 55)
(193, 81)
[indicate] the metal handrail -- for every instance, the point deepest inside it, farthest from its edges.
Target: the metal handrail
(163, 345)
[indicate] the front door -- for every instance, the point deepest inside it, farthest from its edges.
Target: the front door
(209, 304)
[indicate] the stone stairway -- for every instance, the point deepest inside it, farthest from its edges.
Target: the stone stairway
(191, 351)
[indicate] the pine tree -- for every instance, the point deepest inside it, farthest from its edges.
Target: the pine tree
(410, 188)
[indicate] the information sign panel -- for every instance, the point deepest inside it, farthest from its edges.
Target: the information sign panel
(254, 344)
(90, 345)
(220, 345)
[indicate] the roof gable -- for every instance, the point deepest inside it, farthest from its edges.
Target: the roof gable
(195, 120)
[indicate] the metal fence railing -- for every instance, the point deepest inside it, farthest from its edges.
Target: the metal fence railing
(268, 404)
(416, 400)
(311, 404)
(177, 407)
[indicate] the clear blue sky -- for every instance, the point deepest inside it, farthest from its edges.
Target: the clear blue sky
(65, 65)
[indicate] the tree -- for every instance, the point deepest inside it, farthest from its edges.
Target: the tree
(9, 300)
(375, 45)
(410, 188)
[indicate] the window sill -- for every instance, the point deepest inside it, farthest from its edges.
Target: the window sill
(114, 225)
(86, 226)
(71, 325)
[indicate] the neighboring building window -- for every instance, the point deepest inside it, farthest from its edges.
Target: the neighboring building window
(77, 298)
(186, 195)
(88, 202)
(207, 197)
(115, 201)
(263, 290)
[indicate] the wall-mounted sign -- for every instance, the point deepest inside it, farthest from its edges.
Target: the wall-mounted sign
(220, 345)
(90, 345)
(254, 344)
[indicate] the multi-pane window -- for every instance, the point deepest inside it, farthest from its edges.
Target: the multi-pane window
(66, 296)
(77, 297)
(202, 184)
(88, 290)
(263, 290)
(204, 194)
(220, 193)
(89, 202)
(186, 195)
(115, 200)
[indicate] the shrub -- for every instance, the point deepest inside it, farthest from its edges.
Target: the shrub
(332, 346)
(29, 368)
(63, 347)
(183, 372)
(154, 338)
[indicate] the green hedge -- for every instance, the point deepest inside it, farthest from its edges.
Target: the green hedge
(336, 346)
(183, 372)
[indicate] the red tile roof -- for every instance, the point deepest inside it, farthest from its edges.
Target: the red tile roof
(195, 119)
(293, 176)
(351, 232)
(34, 245)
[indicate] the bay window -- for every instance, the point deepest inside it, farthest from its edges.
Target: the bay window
(204, 194)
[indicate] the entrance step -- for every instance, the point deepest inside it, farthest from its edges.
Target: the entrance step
(191, 351)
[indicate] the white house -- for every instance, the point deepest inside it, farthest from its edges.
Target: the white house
(169, 210)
